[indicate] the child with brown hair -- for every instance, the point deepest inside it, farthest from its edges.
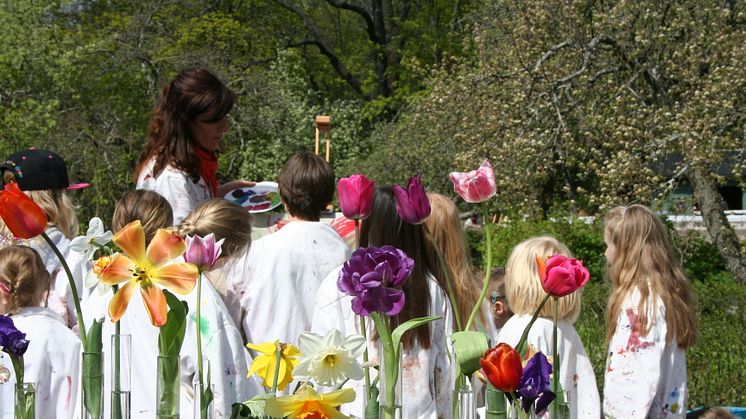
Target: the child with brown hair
(52, 359)
(650, 318)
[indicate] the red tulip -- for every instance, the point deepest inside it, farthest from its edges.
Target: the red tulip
(412, 204)
(502, 366)
(24, 218)
(475, 186)
(355, 196)
(562, 275)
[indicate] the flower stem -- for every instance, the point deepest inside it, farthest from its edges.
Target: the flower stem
(521, 346)
(365, 360)
(487, 270)
(556, 364)
(73, 288)
(199, 340)
(391, 363)
(116, 408)
(448, 277)
(278, 359)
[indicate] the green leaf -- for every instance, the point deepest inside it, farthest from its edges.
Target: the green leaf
(92, 378)
(469, 346)
(94, 341)
(409, 325)
(171, 336)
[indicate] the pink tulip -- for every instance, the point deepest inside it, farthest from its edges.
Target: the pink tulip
(475, 186)
(202, 252)
(412, 204)
(355, 196)
(562, 275)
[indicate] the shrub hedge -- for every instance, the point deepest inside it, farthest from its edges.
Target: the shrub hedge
(716, 364)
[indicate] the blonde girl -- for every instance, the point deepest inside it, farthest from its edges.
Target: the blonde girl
(650, 319)
(524, 293)
(231, 223)
(53, 356)
(447, 232)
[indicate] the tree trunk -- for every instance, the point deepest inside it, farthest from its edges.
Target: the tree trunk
(712, 207)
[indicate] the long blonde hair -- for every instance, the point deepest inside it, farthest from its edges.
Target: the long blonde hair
(523, 286)
(446, 230)
(224, 219)
(643, 259)
(23, 273)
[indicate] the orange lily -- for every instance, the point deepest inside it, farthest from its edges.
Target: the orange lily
(147, 269)
(24, 218)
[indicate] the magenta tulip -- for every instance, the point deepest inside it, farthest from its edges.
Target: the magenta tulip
(412, 204)
(475, 186)
(203, 252)
(561, 275)
(355, 196)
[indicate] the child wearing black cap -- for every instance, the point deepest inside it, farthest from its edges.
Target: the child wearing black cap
(42, 175)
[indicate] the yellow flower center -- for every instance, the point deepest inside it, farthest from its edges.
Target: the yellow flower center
(330, 359)
(101, 264)
(312, 409)
(141, 276)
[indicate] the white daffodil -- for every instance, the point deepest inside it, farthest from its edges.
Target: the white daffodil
(94, 238)
(330, 360)
(92, 278)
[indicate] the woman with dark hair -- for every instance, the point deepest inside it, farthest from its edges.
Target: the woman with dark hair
(426, 369)
(179, 160)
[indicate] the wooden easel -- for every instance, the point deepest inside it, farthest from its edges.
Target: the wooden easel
(324, 124)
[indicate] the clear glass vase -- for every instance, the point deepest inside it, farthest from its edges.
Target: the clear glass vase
(25, 401)
(390, 386)
(168, 390)
(92, 385)
(466, 407)
(199, 412)
(121, 347)
(496, 403)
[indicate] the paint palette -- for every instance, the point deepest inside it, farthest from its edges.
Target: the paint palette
(262, 197)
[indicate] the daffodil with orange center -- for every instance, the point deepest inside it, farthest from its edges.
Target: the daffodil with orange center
(309, 404)
(147, 269)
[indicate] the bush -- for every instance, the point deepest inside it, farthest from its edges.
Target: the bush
(716, 367)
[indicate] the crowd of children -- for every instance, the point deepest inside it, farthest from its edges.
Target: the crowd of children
(286, 283)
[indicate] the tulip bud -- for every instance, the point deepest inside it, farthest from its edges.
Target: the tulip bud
(502, 366)
(24, 218)
(355, 196)
(203, 252)
(412, 204)
(561, 275)
(475, 186)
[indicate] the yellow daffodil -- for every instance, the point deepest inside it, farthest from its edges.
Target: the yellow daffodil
(308, 404)
(147, 268)
(264, 364)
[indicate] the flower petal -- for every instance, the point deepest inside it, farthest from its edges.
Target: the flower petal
(119, 270)
(121, 299)
(178, 277)
(165, 246)
(155, 304)
(266, 348)
(131, 239)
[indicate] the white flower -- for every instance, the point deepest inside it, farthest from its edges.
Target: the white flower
(94, 238)
(331, 359)
(93, 279)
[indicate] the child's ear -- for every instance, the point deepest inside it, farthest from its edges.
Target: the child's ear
(501, 309)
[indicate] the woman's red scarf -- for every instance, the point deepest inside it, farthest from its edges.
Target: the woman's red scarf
(208, 168)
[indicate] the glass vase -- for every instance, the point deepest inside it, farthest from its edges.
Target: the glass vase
(466, 407)
(199, 412)
(497, 404)
(168, 387)
(390, 385)
(93, 385)
(121, 347)
(25, 401)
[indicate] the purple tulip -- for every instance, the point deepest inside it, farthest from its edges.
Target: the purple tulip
(12, 340)
(203, 252)
(534, 387)
(412, 204)
(355, 196)
(372, 276)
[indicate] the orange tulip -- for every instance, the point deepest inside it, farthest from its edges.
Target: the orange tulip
(24, 218)
(146, 269)
(502, 366)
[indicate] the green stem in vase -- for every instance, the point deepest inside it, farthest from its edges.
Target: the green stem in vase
(487, 269)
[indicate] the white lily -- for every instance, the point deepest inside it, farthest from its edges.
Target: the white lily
(94, 238)
(330, 360)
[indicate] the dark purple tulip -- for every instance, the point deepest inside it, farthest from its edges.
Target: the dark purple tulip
(412, 204)
(535, 384)
(12, 340)
(372, 276)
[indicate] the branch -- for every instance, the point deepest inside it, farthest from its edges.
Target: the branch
(322, 44)
(551, 52)
(362, 12)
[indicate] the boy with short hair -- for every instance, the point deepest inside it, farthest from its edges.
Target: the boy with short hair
(276, 280)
